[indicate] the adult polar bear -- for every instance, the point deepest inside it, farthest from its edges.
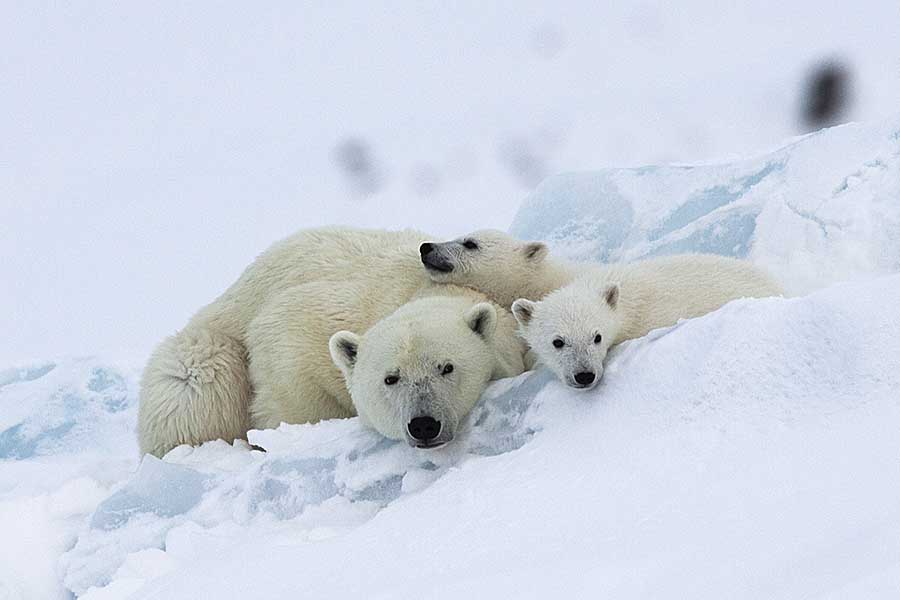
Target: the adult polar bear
(199, 383)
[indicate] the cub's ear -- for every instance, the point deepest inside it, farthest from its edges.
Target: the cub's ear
(343, 347)
(523, 310)
(482, 319)
(611, 295)
(535, 252)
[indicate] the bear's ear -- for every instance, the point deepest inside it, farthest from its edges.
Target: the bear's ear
(535, 252)
(611, 295)
(523, 310)
(343, 347)
(482, 319)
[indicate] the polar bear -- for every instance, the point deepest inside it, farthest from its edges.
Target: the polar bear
(417, 373)
(497, 264)
(199, 384)
(572, 329)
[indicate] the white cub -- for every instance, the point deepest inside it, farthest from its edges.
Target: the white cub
(417, 373)
(572, 329)
(496, 264)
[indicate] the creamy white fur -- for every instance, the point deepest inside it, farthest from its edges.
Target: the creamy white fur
(418, 344)
(199, 383)
(621, 302)
(501, 266)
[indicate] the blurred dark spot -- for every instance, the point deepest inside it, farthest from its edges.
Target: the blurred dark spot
(523, 161)
(547, 41)
(356, 161)
(425, 180)
(826, 95)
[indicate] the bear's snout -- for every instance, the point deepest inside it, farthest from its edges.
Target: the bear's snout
(425, 431)
(432, 260)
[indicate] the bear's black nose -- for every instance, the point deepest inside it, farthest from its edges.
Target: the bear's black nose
(584, 378)
(424, 429)
(425, 249)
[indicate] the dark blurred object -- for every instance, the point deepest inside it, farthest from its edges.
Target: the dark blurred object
(523, 161)
(547, 41)
(826, 95)
(355, 159)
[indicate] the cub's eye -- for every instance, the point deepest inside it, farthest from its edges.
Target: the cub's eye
(598, 338)
(558, 343)
(470, 245)
(447, 370)
(391, 380)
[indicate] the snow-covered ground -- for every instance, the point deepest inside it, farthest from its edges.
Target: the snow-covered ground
(749, 453)
(148, 153)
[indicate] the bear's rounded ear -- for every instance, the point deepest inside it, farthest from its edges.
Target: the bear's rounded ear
(535, 251)
(482, 319)
(523, 310)
(611, 295)
(344, 346)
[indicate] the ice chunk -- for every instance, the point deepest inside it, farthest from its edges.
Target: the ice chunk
(820, 210)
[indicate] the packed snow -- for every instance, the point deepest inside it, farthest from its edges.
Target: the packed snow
(749, 453)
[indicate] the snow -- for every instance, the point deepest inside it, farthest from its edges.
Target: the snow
(743, 454)
(148, 155)
(821, 210)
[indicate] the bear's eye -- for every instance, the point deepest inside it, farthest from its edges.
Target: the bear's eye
(391, 380)
(558, 343)
(598, 338)
(447, 369)
(470, 245)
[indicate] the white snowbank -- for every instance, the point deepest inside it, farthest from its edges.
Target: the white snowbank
(749, 453)
(822, 209)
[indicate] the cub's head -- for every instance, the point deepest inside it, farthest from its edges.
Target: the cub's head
(571, 330)
(488, 260)
(417, 373)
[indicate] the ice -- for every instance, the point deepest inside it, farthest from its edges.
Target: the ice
(820, 210)
(742, 454)
(63, 408)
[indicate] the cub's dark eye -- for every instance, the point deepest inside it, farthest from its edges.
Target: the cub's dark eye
(447, 369)
(558, 343)
(598, 338)
(470, 245)
(391, 380)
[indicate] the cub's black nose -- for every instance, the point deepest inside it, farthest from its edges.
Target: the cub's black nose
(584, 378)
(425, 249)
(424, 429)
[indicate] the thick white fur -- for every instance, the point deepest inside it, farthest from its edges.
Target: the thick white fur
(501, 266)
(197, 385)
(621, 302)
(474, 340)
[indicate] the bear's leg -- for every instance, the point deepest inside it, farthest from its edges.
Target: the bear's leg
(302, 402)
(194, 389)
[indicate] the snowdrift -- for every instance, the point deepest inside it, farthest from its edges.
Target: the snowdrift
(749, 453)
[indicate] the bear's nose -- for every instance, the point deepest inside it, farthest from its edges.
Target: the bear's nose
(584, 378)
(424, 429)
(426, 249)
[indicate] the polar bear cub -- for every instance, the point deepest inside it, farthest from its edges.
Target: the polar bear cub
(497, 264)
(417, 373)
(572, 329)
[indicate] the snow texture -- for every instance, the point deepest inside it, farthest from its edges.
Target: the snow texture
(820, 210)
(749, 453)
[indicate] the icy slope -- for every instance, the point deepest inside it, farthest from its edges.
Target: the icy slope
(750, 453)
(822, 209)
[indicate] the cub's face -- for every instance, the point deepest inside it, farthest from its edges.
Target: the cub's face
(414, 378)
(570, 331)
(482, 260)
